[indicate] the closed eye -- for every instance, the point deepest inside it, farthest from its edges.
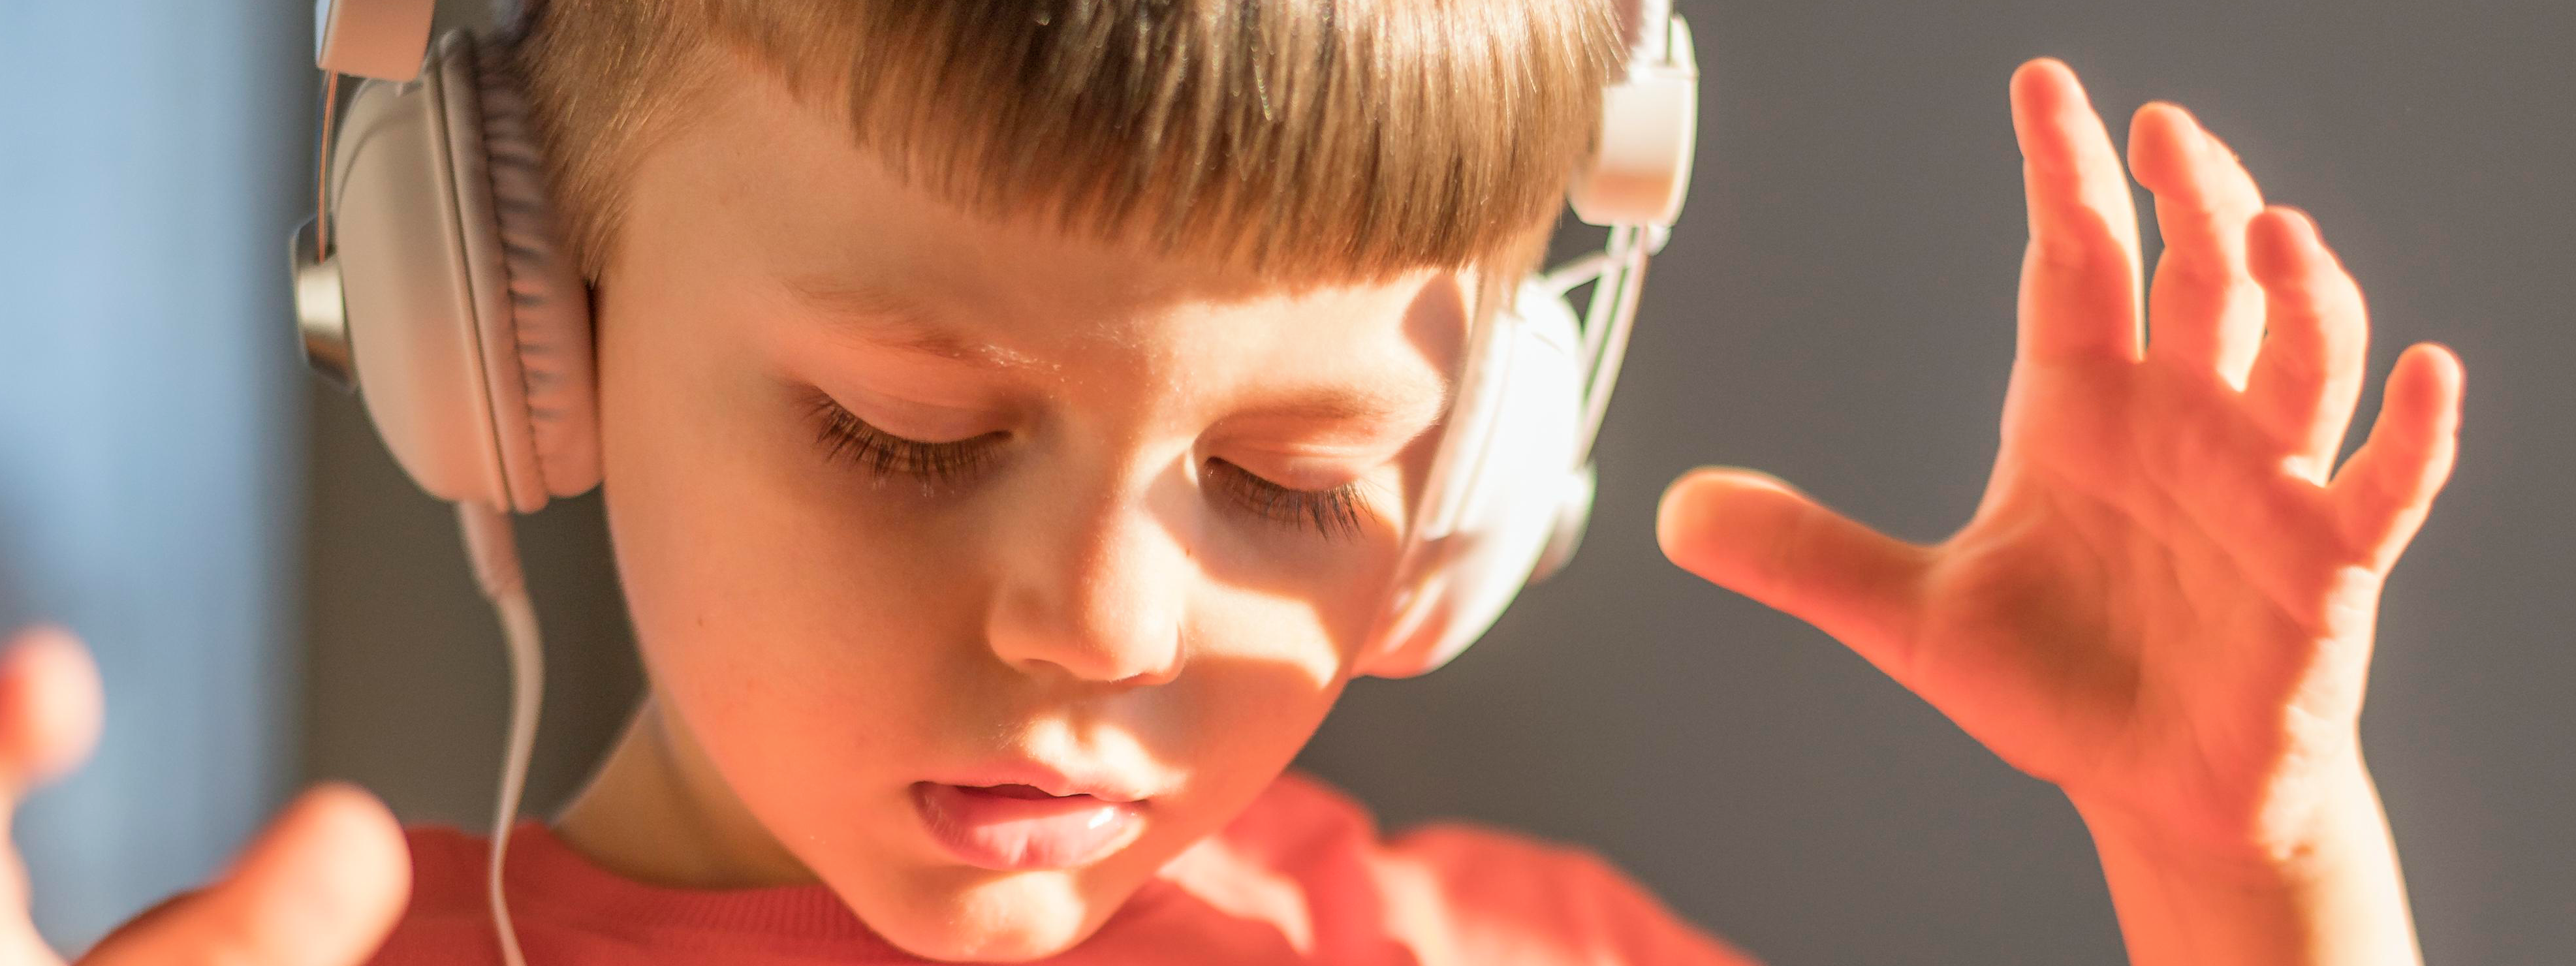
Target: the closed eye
(844, 436)
(1333, 513)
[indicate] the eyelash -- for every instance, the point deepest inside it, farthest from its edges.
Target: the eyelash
(844, 436)
(1332, 514)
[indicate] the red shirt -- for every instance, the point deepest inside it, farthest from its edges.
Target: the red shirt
(1300, 877)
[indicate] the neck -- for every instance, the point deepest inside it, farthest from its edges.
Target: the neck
(657, 812)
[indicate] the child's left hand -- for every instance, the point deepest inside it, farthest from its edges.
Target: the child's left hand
(2164, 603)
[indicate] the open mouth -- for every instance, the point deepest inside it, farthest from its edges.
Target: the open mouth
(1013, 791)
(1017, 827)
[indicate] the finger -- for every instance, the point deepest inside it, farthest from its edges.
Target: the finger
(49, 711)
(1755, 535)
(2383, 493)
(319, 887)
(19, 944)
(2205, 311)
(2316, 336)
(49, 719)
(2079, 293)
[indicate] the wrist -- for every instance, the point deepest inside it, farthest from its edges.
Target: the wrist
(2300, 823)
(2319, 887)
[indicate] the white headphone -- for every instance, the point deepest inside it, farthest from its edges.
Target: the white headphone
(447, 299)
(443, 295)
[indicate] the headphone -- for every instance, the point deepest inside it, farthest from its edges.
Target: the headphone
(446, 300)
(441, 294)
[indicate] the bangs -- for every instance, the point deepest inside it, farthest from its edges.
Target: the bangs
(1318, 139)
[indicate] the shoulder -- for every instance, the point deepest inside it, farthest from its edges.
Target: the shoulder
(1307, 857)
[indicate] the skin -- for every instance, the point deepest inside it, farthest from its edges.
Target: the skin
(1097, 592)
(2164, 604)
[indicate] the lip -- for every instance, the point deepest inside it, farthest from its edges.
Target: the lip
(1009, 831)
(1049, 779)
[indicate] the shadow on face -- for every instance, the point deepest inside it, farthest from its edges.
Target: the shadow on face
(897, 492)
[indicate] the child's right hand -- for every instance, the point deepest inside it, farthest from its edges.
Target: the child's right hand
(319, 887)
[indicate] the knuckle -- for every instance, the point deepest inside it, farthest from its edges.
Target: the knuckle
(2369, 507)
(2202, 268)
(2067, 252)
(2295, 361)
(2326, 293)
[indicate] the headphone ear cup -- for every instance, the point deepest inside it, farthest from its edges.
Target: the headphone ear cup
(416, 283)
(470, 337)
(549, 305)
(1509, 476)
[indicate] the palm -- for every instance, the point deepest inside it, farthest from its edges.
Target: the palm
(2164, 602)
(2096, 627)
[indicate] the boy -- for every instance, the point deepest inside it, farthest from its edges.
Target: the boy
(1001, 505)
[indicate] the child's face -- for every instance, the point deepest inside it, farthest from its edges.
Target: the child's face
(1092, 583)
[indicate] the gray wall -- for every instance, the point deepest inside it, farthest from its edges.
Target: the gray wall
(149, 157)
(1837, 308)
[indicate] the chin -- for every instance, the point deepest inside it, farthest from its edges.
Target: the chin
(1009, 918)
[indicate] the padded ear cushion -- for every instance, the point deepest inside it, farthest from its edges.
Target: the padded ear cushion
(1498, 490)
(549, 303)
(531, 309)
(487, 277)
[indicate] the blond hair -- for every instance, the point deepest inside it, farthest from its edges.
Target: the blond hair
(1314, 139)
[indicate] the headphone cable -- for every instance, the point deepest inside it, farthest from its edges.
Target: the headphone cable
(494, 550)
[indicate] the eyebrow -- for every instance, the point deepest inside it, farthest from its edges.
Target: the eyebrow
(885, 318)
(889, 319)
(1349, 405)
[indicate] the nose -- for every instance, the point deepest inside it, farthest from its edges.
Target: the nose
(1095, 589)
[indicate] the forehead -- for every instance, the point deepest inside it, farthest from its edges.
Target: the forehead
(776, 191)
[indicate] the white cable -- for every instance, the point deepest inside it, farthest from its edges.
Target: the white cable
(494, 551)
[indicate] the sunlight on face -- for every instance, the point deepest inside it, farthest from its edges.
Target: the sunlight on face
(901, 498)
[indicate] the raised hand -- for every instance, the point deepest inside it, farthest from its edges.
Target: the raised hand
(2165, 601)
(319, 887)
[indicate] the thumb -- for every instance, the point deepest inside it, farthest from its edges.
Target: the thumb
(49, 710)
(319, 887)
(1755, 535)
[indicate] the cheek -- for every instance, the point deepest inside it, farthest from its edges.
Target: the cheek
(1247, 707)
(1289, 590)
(759, 604)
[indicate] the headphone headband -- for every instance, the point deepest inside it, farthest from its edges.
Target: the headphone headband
(382, 39)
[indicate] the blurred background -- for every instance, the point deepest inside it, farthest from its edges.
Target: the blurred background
(273, 603)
